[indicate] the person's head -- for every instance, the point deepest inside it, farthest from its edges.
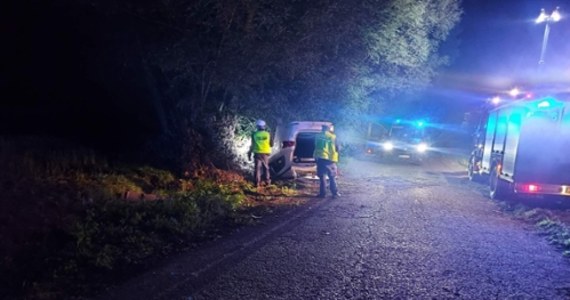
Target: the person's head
(260, 124)
(329, 128)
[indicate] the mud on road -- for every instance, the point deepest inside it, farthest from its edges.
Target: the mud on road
(399, 231)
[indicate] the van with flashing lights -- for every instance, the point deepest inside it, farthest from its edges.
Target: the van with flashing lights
(402, 140)
(295, 144)
(525, 149)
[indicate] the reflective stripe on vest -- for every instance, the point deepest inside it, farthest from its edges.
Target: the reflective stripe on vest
(261, 142)
(325, 146)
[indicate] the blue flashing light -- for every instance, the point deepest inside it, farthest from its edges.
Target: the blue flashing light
(398, 121)
(420, 124)
(548, 102)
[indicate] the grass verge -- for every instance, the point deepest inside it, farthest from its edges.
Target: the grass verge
(554, 224)
(73, 221)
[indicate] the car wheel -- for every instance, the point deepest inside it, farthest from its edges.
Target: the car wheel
(498, 188)
(471, 174)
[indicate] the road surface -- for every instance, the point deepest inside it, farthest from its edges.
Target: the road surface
(399, 231)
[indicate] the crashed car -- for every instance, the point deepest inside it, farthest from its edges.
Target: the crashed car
(294, 156)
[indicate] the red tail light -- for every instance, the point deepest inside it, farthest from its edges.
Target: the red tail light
(288, 144)
(531, 188)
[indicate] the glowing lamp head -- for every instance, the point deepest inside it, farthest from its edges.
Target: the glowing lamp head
(496, 100)
(514, 92)
(555, 16)
(542, 17)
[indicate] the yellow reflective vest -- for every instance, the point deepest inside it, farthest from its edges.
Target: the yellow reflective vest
(261, 142)
(325, 146)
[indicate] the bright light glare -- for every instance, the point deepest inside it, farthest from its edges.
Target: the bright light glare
(514, 92)
(532, 188)
(542, 17)
(544, 104)
(555, 16)
(496, 100)
(420, 123)
(388, 146)
(422, 147)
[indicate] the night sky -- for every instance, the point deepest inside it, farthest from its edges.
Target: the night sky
(53, 79)
(500, 45)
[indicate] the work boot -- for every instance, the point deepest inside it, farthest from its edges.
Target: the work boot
(336, 195)
(321, 195)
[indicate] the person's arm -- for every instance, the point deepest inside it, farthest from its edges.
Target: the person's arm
(337, 145)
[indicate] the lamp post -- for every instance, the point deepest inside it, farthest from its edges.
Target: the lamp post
(548, 19)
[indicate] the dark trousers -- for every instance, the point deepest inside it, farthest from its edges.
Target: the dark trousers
(261, 166)
(326, 168)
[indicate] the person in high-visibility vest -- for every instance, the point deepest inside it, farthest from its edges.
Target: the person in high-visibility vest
(326, 155)
(261, 143)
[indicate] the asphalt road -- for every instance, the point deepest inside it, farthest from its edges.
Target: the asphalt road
(399, 232)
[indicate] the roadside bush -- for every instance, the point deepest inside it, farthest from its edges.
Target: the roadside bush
(68, 225)
(118, 233)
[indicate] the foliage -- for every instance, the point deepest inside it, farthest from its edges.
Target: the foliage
(551, 223)
(214, 64)
(118, 233)
(67, 218)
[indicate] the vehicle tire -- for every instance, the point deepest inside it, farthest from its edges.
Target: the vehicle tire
(475, 177)
(498, 188)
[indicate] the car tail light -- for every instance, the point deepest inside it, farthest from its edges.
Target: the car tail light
(288, 144)
(531, 188)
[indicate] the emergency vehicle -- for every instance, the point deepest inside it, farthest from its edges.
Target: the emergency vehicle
(525, 149)
(402, 140)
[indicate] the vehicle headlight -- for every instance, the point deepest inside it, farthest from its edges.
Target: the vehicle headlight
(388, 146)
(422, 147)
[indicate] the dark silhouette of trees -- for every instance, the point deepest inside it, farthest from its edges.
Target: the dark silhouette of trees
(208, 67)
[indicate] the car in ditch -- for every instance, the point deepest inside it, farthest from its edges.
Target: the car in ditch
(295, 146)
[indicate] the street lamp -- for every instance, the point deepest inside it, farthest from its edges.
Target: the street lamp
(544, 18)
(514, 92)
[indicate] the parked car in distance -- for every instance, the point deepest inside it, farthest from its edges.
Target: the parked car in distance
(294, 154)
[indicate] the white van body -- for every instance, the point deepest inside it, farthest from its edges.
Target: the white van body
(295, 146)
